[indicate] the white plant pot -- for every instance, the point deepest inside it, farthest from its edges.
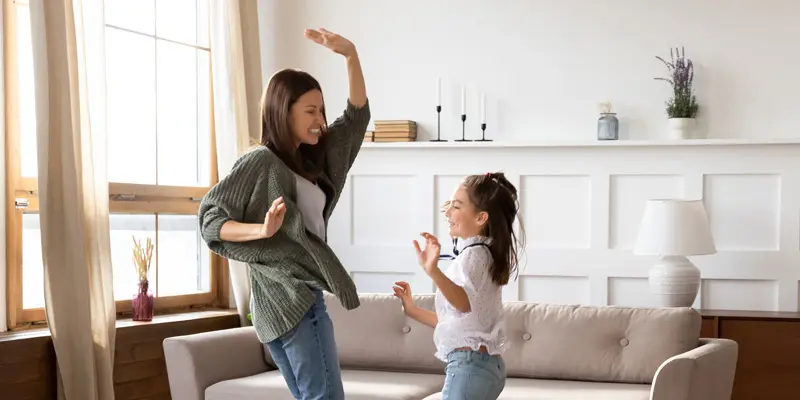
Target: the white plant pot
(681, 128)
(674, 282)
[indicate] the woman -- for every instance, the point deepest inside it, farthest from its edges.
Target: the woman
(272, 211)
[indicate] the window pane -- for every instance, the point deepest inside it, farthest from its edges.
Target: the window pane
(131, 96)
(177, 20)
(204, 117)
(202, 23)
(27, 105)
(137, 15)
(182, 144)
(182, 264)
(123, 228)
(184, 258)
(32, 265)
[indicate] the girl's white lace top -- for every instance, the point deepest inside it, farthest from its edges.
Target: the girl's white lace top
(485, 323)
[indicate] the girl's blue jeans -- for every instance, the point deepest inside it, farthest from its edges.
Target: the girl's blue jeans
(473, 375)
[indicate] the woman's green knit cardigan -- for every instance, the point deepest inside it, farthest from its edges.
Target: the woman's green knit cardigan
(287, 266)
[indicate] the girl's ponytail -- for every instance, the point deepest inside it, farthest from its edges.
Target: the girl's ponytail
(495, 195)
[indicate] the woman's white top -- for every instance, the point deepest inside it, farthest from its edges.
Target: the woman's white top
(484, 325)
(311, 201)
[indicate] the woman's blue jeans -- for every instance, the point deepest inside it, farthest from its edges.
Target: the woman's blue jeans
(473, 375)
(307, 357)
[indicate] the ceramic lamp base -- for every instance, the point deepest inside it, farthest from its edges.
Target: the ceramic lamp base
(675, 281)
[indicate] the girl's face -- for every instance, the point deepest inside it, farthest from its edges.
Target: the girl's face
(306, 118)
(464, 218)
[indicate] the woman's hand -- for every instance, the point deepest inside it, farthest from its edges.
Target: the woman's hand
(274, 218)
(402, 290)
(331, 40)
(340, 45)
(429, 257)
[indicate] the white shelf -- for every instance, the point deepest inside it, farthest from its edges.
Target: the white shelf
(584, 143)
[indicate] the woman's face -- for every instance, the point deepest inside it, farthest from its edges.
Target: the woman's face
(306, 119)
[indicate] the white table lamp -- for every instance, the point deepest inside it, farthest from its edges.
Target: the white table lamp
(674, 229)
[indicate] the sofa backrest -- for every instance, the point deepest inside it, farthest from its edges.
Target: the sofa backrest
(610, 344)
(377, 335)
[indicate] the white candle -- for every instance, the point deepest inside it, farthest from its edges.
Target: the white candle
(438, 91)
(463, 100)
(483, 108)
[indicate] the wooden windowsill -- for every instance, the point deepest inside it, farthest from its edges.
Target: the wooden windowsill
(126, 323)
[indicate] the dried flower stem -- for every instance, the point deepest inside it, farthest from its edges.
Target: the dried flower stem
(142, 258)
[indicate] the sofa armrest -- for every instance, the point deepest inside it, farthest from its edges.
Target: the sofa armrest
(703, 373)
(197, 361)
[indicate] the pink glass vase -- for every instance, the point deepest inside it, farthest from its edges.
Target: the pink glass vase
(143, 303)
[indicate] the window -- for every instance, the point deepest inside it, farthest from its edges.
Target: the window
(160, 154)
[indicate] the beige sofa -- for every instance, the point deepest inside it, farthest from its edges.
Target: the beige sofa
(558, 352)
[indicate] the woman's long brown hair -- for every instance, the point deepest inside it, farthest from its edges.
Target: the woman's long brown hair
(283, 90)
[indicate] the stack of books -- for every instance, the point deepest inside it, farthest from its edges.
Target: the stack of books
(392, 131)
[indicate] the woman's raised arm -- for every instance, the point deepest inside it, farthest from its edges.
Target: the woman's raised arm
(340, 45)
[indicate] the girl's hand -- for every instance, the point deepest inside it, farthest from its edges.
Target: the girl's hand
(332, 41)
(428, 258)
(402, 290)
(274, 218)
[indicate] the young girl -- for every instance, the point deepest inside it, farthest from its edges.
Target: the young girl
(469, 330)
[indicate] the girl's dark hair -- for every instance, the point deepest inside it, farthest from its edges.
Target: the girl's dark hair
(283, 90)
(495, 195)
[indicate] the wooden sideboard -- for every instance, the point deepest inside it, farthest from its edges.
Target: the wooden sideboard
(769, 351)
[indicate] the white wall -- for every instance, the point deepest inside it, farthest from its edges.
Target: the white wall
(546, 64)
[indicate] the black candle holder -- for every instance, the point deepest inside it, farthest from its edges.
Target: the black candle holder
(463, 129)
(438, 125)
(483, 134)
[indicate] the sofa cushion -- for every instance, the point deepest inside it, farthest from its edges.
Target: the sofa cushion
(614, 344)
(378, 336)
(267, 385)
(358, 385)
(375, 385)
(537, 389)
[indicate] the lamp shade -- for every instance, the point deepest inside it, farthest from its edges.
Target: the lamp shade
(675, 227)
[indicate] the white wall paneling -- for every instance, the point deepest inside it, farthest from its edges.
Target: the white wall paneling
(580, 205)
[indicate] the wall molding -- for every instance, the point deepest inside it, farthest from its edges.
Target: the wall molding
(581, 207)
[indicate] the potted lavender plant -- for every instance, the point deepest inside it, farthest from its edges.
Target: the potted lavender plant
(682, 106)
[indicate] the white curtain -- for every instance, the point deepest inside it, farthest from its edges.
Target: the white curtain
(236, 83)
(69, 73)
(3, 305)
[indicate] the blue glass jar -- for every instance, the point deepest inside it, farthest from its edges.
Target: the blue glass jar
(608, 127)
